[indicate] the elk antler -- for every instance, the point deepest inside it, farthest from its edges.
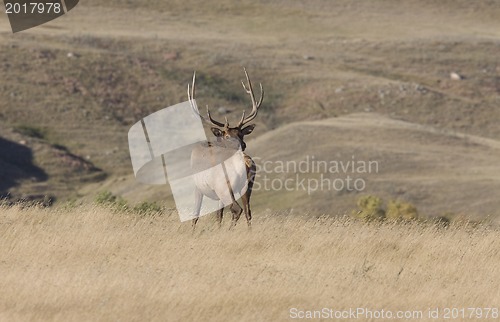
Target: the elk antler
(191, 91)
(255, 105)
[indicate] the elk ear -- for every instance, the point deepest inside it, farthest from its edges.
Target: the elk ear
(217, 132)
(247, 130)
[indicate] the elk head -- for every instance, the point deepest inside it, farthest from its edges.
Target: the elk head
(223, 130)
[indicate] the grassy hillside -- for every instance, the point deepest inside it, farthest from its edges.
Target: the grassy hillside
(441, 172)
(91, 263)
(438, 171)
(82, 80)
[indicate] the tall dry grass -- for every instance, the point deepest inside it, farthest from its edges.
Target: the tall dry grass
(91, 263)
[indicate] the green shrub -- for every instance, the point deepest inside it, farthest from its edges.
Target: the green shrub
(400, 210)
(370, 208)
(121, 204)
(147, 208)
(31, 131)
(108, 199)
(105, 198)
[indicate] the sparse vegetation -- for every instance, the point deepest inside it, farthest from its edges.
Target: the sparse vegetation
(147, 208)
(371, 208)
(105, 198)
(30, 131)
(108, 199)
(400, 210)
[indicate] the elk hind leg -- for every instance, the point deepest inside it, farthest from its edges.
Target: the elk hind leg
(246, 196)
(246, 207)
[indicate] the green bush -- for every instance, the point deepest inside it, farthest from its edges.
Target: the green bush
(400, 210)
(105, 197)
(147, 208)
(31, 131)
(370, 208)
(108, 199)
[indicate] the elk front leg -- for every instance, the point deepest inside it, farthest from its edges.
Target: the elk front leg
(236, 210)
(198, 198)
(235, 207)
(220, 212)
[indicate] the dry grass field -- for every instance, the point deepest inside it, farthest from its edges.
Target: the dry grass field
(95, 264)
(344, 80)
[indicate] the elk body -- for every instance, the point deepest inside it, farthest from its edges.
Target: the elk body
(217, 184)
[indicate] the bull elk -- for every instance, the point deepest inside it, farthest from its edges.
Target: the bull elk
(215, 184)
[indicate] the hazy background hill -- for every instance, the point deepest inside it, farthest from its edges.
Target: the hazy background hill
(344, 78)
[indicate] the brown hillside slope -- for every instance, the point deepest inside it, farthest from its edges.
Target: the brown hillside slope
(439, 171)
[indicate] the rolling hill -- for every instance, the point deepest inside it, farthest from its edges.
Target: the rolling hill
(82, 80)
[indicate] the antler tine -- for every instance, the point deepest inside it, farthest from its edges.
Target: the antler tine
(261, 95)
(191, 94)
(255, 105)
(211, 120)
(193, 87)
(240, 123)
(191, 91)
(249, 90)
